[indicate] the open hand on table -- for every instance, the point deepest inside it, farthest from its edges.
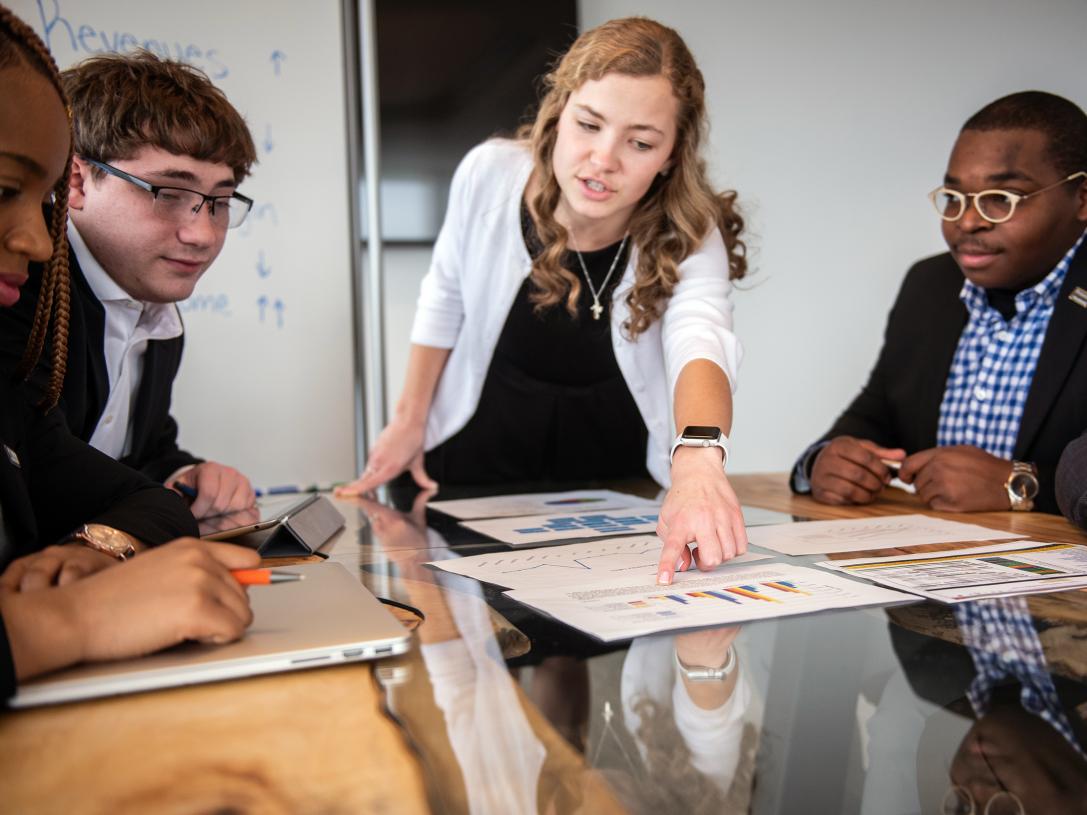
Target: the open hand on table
(399, 447)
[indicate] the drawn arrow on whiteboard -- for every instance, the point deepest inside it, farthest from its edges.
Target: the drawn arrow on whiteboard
(262, 303)
(263, 269)
(278, 306)
(268, 144)
(278, 58)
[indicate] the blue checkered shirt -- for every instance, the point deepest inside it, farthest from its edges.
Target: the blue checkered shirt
(1004, 646)
(994, 365)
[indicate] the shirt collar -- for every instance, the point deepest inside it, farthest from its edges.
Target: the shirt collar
(162, 320)
(105, 288)
(1043, 293)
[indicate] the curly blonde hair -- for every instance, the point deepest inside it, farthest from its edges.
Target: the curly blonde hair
(19, 45)
(672, 219)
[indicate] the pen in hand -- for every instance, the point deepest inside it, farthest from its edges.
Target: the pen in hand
(190, 493)
(263, 577)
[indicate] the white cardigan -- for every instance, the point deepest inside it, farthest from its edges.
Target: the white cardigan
(479, 263)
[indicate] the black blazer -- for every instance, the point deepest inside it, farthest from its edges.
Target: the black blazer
(51, 483)
(900, 404)
(86, 383)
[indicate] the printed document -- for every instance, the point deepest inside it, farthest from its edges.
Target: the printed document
(538, 503)
(575, 564)
(866, 534)
(1000, 570)
(632, 607)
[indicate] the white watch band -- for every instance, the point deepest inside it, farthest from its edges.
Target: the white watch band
(700, 673)
(721, 441)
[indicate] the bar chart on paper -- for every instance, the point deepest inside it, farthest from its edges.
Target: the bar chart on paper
(537, 529)
(629, 608)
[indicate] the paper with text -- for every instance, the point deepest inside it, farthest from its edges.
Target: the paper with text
(626, 608)
(976, 573)
(538, 503)
(865, 534)
(581, 564)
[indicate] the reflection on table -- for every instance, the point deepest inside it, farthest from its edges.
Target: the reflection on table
(498, 710)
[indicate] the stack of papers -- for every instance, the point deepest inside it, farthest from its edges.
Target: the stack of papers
(977, 573)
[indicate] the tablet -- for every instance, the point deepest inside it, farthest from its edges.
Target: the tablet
(267, 512)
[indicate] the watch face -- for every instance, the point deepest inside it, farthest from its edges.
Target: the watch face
(1024, 485)
(701, 432)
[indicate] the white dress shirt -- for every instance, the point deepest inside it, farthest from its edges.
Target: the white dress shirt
(129, 325)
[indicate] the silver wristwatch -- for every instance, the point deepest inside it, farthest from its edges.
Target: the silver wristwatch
(700, 673)
(1022, 486)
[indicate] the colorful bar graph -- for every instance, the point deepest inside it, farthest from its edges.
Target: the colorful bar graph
(751, 592)
(785, 585)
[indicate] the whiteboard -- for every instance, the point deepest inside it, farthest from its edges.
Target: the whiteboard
(266, 383)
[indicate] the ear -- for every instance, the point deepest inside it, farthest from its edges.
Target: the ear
(1081, 200)
(80, 177)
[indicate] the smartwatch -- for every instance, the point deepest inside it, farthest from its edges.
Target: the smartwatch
(696, 435)
(700, 673)
(106, 539)
(1022, 486)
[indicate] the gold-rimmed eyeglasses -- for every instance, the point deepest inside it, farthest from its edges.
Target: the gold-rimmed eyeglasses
(995, 206)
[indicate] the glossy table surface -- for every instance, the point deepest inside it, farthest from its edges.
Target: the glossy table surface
(497, 710)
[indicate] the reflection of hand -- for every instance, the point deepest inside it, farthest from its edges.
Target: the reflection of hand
(218, 488)
(851, 471)
(54, 566)
(706, 647)
(399, 447)
(401, 536)
(700, 508)
(179, 591)
(1010, 749)
(960, 478)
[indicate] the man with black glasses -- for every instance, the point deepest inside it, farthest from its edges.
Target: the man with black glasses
(159, 153)
(982, 379)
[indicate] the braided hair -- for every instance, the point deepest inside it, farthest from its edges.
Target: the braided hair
(19, 45)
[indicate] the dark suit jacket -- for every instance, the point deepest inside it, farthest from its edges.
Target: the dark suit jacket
(51, 483)
(900, 404)
(86, 383)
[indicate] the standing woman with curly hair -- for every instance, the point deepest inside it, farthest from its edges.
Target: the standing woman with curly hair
(576, 316)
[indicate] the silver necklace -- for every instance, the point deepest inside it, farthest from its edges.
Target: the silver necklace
(596, 308)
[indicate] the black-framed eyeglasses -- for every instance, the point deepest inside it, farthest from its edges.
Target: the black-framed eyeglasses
(178, 203)
(995, 206)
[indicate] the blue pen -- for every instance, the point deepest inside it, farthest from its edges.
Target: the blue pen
(185, 490)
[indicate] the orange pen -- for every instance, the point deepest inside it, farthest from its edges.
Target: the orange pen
(262, 577)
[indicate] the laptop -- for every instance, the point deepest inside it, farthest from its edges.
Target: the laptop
(328, 618)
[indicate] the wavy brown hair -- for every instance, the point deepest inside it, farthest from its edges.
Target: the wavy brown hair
(675, 215)
(154, 102)
(19, 45)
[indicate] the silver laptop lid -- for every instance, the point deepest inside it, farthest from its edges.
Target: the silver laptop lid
(325, 619)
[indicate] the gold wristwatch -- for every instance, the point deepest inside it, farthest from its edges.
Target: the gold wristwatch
(1022, 486)
(112, 542)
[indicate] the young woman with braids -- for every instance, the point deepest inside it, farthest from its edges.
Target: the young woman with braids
(69, 603)
(578, 300)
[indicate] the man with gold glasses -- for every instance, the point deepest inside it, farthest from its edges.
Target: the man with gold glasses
(159, 154)
(982, 378)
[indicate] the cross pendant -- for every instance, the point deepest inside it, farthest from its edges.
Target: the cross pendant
(597, 310)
